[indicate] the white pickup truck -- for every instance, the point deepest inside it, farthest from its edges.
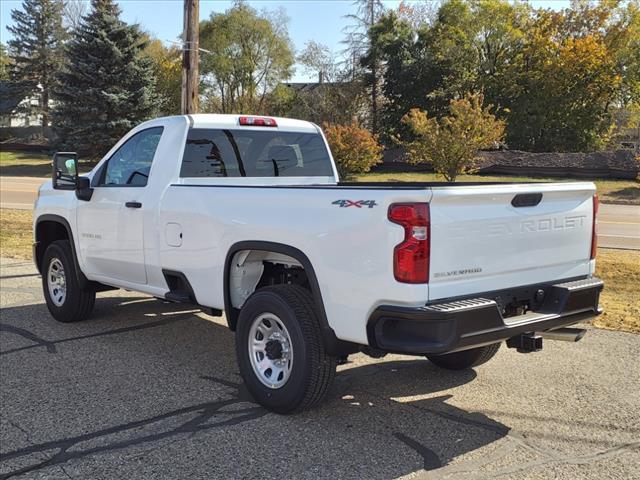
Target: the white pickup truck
(246, 215)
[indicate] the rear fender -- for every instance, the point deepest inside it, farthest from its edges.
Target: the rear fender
(332, 344)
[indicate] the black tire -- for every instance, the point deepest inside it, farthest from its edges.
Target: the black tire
(312, 369)
(465, 359)
(77, 303)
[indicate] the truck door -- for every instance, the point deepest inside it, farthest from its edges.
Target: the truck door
(110, 225)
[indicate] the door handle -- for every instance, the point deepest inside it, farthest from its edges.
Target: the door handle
(133, 205)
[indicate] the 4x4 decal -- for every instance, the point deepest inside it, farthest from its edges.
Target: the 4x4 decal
(355, 203)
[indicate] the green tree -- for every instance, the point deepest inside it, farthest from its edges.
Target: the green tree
(450, 144)
(405, 83)
(248, 54)
(283, 101)
(36, 50)
(623, 42)
(449, 47)
(563, 82)
(424, 68)
(501, 28)
(106, 86)
(555, 76)
(167, 71)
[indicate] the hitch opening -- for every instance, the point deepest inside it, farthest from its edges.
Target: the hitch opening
(526, 342)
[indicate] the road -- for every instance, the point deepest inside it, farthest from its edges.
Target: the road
(19, 192)
(146, 389)
(619, 225)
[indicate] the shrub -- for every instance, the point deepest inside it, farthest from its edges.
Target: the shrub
(451, 144)
(354, 149)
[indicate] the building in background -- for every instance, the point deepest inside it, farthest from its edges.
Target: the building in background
(16, 109)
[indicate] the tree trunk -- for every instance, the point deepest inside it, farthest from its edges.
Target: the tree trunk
(374, 99)
(45, 110)
(374, 75)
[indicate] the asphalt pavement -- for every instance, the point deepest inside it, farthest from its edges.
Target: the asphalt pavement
(619, 226)
(146, 389)
(19, 192)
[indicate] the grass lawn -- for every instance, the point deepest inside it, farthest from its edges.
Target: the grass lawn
(25, 164)
(16, 237)
(31, 164)
(620, 269)
(609, 191)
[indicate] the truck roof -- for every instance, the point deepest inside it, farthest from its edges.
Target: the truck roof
(215, 120)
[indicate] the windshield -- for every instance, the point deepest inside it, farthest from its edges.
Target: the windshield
(253, 153)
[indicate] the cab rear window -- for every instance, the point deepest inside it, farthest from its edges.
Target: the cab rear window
(251, 153)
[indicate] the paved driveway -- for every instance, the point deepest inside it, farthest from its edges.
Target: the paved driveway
(151, 390)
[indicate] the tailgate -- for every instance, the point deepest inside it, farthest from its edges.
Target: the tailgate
(484, 240)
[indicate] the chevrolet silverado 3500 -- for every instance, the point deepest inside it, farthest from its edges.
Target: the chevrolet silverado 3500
(246, 215)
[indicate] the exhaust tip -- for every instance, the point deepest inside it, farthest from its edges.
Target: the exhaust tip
(565, 334)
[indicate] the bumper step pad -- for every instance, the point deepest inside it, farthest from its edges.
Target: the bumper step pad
(472, 322)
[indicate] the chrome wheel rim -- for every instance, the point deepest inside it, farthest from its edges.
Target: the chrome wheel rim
(57, 282)
(270, 350)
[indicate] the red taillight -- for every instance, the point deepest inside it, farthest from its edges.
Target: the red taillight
(258, 121)
(411, 257)
(594, 228)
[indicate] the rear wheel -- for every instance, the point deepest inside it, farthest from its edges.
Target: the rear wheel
(465, 359)
(280, 351)
(66, 301)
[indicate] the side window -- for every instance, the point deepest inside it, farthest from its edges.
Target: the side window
(212, 153)
(131, 163)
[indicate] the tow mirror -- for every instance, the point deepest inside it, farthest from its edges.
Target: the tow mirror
(65, 171)
(65, 175)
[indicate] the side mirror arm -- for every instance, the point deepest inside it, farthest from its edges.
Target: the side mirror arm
(83, 189)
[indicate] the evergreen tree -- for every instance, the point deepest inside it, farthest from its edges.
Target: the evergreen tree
(106, 86)
(36, 50)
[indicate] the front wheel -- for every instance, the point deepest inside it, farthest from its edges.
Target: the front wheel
(465, 359)
(280, 351)
(66, 301)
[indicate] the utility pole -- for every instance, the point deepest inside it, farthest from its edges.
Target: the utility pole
(374, 73)
(190, 54)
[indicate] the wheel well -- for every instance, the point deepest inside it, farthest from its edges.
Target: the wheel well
(47, 232)
(252, 264)
(253, 269)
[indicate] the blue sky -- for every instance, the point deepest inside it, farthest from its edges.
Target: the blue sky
(319, 20)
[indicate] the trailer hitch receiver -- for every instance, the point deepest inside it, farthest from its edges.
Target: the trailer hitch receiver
(526, 342)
